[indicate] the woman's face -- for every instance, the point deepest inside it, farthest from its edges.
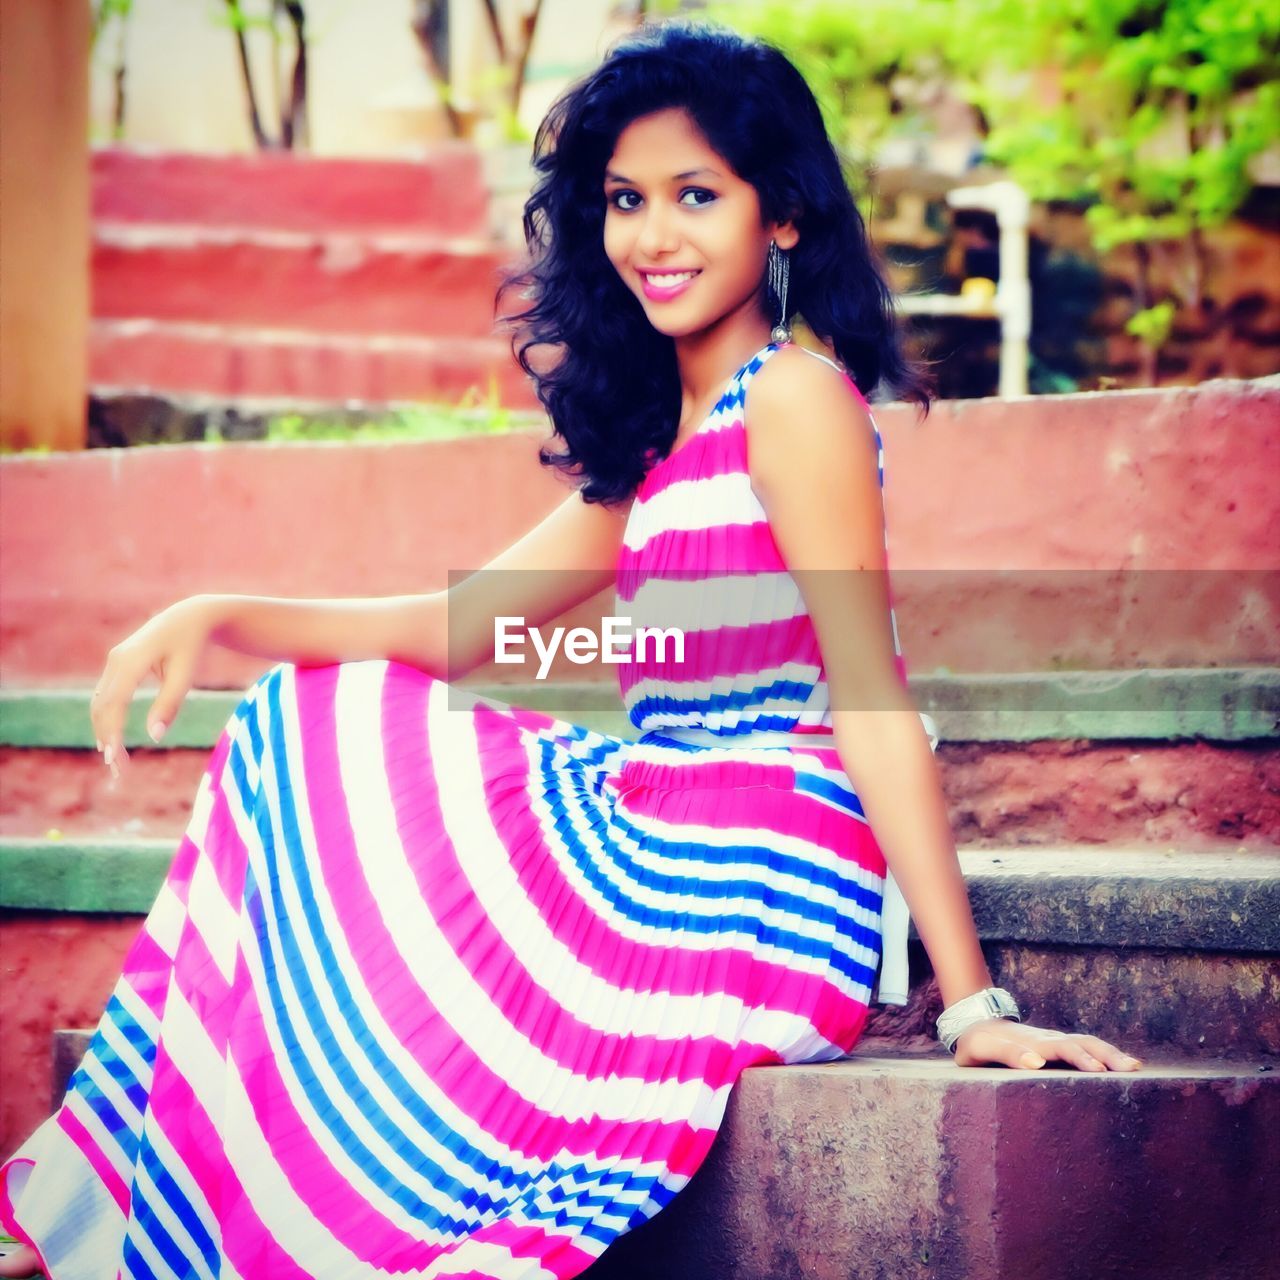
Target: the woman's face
(673, 206)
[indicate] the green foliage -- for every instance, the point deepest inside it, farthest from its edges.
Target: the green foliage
(1159, 108)
(469, 417)
(1152, 324)
(1160, 104)
(1147, 112)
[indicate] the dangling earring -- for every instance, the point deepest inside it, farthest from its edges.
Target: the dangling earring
(779, 275)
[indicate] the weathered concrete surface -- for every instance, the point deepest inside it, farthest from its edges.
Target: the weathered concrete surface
(1180, 794)
(912, 1168)
(55, 971)
(1215, 1003)
(1128, 467)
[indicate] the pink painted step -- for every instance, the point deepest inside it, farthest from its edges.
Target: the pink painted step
(294, 280)
(232, 361)
(443, 193)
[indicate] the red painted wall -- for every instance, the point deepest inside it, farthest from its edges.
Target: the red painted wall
(982, 499)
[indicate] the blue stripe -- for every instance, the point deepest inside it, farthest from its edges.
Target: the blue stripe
(180, 1205)
(644, 710)
(122, 1074)
(135, 1264)
(692, 921)
(115, 1124)
(148, 1222)
(745, 855)
(132, 1030)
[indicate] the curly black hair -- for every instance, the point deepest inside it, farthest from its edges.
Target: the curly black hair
(614, 393)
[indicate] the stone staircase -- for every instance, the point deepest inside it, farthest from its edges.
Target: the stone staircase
(296, 283)
(1160, 934)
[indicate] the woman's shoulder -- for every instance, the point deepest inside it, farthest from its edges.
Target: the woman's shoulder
(797, 386)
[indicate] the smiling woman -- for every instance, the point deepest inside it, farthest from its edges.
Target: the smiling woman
(443, 986)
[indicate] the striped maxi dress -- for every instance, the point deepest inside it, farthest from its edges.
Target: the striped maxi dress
(440, 986)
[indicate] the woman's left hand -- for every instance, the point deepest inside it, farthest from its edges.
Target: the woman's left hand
(1004, 1042)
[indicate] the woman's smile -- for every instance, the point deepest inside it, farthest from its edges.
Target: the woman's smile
(660, 286)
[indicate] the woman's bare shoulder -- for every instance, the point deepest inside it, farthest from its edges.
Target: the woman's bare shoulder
(799, 406)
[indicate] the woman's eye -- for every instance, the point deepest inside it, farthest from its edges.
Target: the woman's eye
(618, 196)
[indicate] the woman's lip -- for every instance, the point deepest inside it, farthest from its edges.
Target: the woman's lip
(661, 295)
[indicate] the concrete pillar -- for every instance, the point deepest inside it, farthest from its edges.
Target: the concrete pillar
(44, 223)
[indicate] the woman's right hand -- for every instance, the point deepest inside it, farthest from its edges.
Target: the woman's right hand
(167, 646)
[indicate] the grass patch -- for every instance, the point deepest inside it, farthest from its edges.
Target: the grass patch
(424, 422)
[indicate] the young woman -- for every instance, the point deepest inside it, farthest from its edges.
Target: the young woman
(447, 986)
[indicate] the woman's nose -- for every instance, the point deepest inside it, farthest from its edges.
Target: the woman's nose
(658, 234)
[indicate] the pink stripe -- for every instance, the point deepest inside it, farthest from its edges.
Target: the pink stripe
(631, 964)
(74, 1128)
(178, 876)
(224, 846)
(680, 555)
(760, 647)
(709, 453)
(147, 966)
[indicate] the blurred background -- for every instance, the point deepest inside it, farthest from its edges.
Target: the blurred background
(260, 219)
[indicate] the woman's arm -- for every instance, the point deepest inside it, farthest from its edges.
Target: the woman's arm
(814, 470)
(565, 559)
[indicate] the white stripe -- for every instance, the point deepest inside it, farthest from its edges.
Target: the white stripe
(216, 921)
(165, 919)
(481, 1258)
(701, 502)
(716, 600)
(727, 719)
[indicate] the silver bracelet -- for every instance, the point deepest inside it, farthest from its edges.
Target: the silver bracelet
(990, 1002)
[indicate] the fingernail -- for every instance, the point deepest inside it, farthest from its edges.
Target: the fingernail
(1032, 1060)
(108, 754)
(156, 730)
(97, 744)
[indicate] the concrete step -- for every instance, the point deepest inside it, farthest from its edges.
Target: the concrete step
(412, 284)
(903, 1166)
(443, 192)
(306, 371)
(1149, 948)
(914, 1169)
(1183, 757)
